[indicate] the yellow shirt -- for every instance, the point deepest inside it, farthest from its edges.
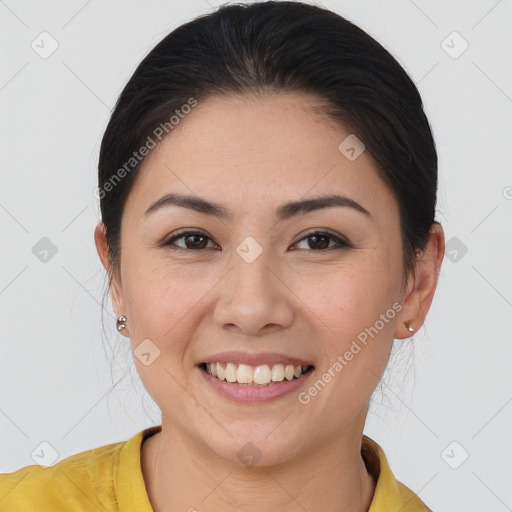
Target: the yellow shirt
(109, 478)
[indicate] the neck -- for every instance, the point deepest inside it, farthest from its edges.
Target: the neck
(182, 475)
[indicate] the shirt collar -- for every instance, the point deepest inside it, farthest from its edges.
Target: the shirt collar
(390, 494)
(129, 483)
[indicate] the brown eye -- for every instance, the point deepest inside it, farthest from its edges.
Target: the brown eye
(193, 240)
(319, 241)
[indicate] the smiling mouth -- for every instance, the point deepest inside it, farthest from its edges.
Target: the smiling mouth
(256, 376)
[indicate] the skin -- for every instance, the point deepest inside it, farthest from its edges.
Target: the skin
(310, 304)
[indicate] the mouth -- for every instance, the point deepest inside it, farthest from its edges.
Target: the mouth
(255, 376)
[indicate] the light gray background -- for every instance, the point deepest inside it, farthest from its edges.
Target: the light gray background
(451, 382)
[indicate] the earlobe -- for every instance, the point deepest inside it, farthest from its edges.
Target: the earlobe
(420, 292)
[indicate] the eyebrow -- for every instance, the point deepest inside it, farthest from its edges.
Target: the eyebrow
(283, 212)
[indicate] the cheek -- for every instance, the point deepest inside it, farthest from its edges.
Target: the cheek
(351, 297)
(167, 303)
(358, 307)
(157, 302)
(161, 306)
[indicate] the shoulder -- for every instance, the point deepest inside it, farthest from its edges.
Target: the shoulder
(83, 481)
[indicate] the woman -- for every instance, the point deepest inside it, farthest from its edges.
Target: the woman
(267, 184)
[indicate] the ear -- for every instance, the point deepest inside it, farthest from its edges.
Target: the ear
(420, 290)
(115, 287)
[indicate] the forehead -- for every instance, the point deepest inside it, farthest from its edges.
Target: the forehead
(269, 148)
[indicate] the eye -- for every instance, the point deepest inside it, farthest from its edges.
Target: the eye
(319, 241)
(196, 240)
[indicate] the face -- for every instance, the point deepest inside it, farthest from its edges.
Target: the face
(256, 282)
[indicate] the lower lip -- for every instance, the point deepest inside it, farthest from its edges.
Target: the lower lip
(250, 394)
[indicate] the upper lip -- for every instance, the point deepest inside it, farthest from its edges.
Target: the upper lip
(254, 359)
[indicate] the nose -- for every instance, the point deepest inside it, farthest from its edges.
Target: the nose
(254, 298)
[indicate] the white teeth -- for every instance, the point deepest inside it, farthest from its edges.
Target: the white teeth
(244, 373)
(220, 372)
(262, 375)
(277, 372)
(230, 372)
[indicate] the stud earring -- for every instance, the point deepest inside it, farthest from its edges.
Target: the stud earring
(120, 324)
(409, 327)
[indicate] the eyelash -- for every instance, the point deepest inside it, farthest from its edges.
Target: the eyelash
(342, 244)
